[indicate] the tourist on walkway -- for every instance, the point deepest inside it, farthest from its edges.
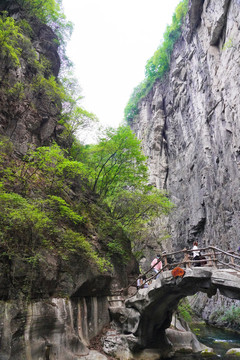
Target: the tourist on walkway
(156, 264)
(141, 282)
(196, 254)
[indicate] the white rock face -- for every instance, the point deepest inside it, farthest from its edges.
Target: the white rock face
(190, 129)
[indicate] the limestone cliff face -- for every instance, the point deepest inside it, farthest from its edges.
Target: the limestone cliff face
(189, 125)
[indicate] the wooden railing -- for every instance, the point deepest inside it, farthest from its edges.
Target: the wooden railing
(210, 257)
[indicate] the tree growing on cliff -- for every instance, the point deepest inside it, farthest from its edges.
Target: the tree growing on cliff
(118, 173)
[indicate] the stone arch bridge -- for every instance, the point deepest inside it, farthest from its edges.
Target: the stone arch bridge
(145, 316)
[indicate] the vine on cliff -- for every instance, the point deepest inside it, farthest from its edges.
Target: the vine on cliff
(158, 64)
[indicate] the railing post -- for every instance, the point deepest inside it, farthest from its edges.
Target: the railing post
(214, 258)
(232, 258)
(165, 262)
(186, 259)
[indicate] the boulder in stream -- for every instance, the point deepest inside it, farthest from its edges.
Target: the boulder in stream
(233, 353)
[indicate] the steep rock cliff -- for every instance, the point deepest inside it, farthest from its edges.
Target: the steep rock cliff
(28, 114)
(189, 125)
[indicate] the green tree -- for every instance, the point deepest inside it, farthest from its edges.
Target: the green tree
(116, 163)
(135, 208)
(118, 172)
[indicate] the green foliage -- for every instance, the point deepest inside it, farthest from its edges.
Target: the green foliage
(63, 209)
(184, 310)
(229, 318)
(118, 172)
(30, 220)
(158, 64)
(50, 169)
(16, 44)
(216, 315)
(17, 91)
(10, 40)
(49, 12)
(27, 226)
(24, 227)
(45, 170)
(228, 44)
(116, 163)
(48, 87)
(232, 315)
(132, 207)
(73, 241)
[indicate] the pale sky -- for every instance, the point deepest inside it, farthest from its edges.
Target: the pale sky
(110, 45)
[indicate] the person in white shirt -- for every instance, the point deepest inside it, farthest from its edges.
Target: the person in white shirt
(196, 254)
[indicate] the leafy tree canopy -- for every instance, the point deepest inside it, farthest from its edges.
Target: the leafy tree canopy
(118, 172)
(117, 162)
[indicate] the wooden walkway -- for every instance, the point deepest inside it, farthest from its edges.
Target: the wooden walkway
(210, 256)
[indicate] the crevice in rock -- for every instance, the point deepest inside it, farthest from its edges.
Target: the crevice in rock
(195, 12)
(220, 25)
(164, 142)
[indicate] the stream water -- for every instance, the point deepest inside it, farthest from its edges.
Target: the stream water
(218, 339)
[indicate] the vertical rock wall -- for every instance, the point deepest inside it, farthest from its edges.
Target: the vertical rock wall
(189, 125)
(57, 329)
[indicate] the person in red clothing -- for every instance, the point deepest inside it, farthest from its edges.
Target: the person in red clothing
(156, 264)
